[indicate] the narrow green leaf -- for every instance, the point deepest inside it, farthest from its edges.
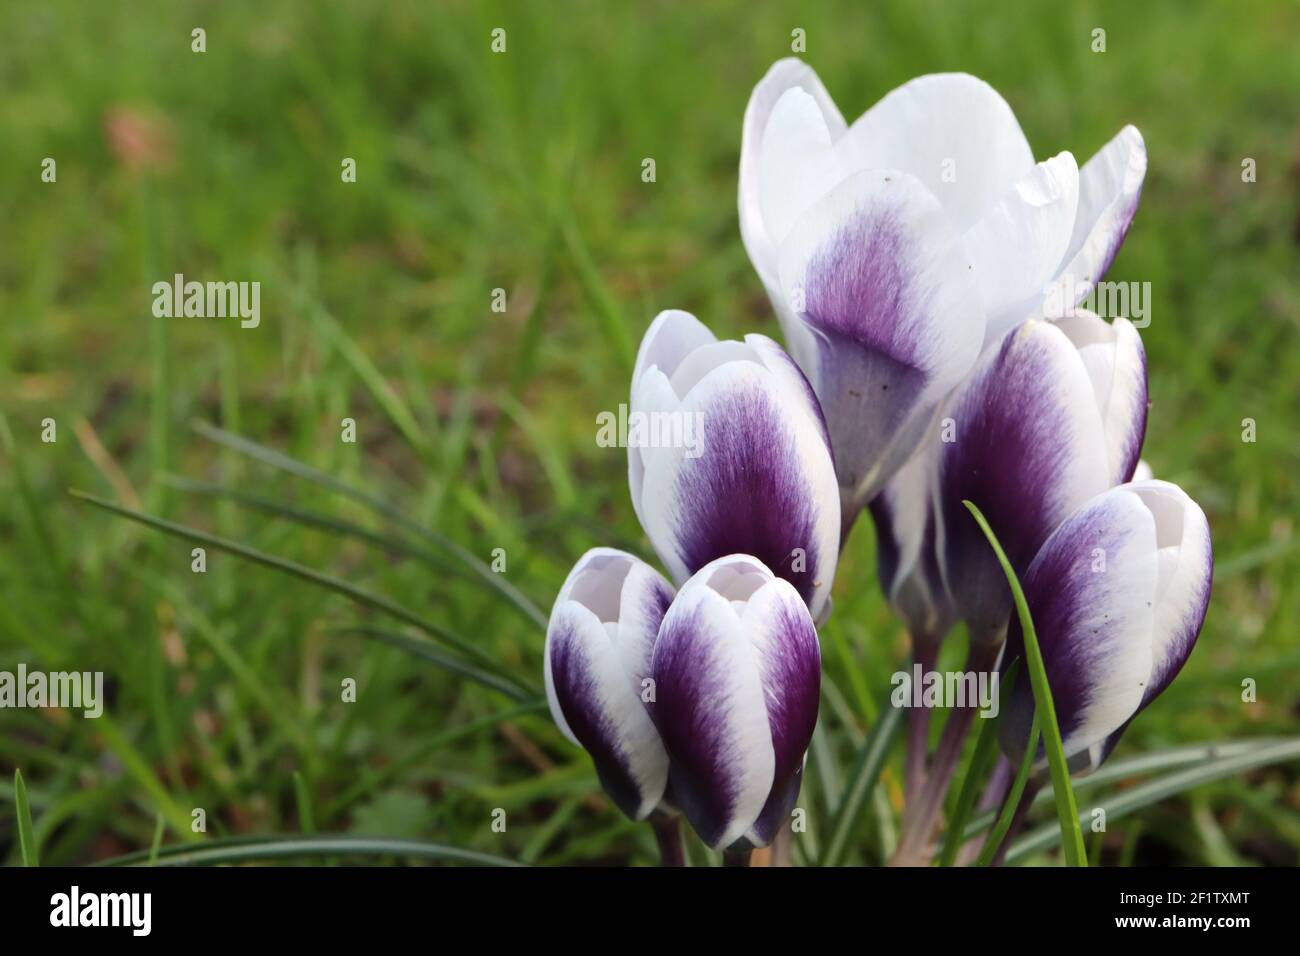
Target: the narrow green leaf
(1066, 810)
(986, 749)
(26, 833)
(282, 462)
(305, 573)
(293, 846)
(862, 779)
(1012, 801)
(1125, 802)
(426, 651)
(306, 820)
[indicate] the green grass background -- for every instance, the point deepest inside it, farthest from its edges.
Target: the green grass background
(523, 171)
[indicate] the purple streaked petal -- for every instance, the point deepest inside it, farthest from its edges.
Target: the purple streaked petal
(778, 625)
(906, 518)
(598, 647)
(763, 485)
(880, 279)
(710, 711)
(1186, 565)
(1028, 450)
(1091, 592)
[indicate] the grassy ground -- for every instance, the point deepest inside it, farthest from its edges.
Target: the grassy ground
(522, 171)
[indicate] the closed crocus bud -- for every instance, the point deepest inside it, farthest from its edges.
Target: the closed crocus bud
(737, 672)
(1052, 416)
(755, 477)
(1118, 594)
(895, 248)
(906, 516)
(598, 672)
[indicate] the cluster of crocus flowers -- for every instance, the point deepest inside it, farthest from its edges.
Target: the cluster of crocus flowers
(704, 699)
(925, 272)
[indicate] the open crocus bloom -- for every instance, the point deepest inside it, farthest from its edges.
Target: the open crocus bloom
(1051, 417)
(598, 651)
(760, 479)
(737, 672)
(894, 249)
(1118, 594)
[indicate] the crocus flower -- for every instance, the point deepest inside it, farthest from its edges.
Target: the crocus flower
(759, 481)
(1118, 594)
(896, 248)
(1051, 417)
(737, 672)
(598, 676)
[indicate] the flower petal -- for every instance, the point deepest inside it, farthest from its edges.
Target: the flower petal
(784, 75)
(763, 485)
(1110, 185)
(881, 281)
(1017, 246)
(953, 132)
(1028, 450)
(906, 517)
(710, 711)
(1116, 362)
(1091, 592)
(778, 625)
(1186, 568)
(598, 648)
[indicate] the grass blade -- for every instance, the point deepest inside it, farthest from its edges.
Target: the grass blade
(426, 651)
(862, 779)
(294, 846)
(1066, 810)
(282, 462)
(330, 582)
(1012, 801)
(1127, 801)
(26, 833)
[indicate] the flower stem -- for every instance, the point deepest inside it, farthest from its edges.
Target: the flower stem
(736, 857)
(668, 834)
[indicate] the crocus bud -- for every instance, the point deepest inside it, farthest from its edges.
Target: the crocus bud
(598, 674)
(1051, 417)
(906, 515)
(737, 673)
(895, 248)
(757, 479)
(1118, 594)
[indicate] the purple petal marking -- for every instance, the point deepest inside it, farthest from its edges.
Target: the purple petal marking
(576, 689)
(1029, 449)
(688, 689)
(790, 668)
(747, 493)
(1089, 623)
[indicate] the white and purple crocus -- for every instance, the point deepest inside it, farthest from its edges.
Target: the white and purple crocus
(897, 248)
(705, 701)
(925, 271)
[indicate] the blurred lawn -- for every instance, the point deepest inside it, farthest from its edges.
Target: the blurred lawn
(523, 171)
